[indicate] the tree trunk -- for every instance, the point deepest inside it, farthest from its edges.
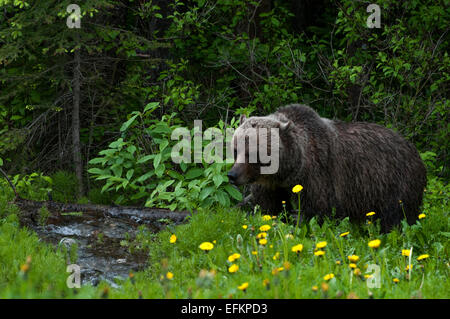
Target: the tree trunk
(76, 122)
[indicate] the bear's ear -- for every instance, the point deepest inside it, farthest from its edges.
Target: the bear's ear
(284, 126)
(242, 119)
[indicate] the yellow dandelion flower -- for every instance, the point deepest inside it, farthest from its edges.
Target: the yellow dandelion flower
(173, 239)
(328, 277)
(206, 246)
(233, 257)
(368, 276)
(169, 275)
(24, 267)
(233, 268)
(266, 217)
(266, 282)
(264, 228)
(396, 280)
(287, 265)
(405, 252)
(338, 262)
(352, 265)
(353, 258)
(408, 267)
(321, 244)
(270, 246)
(369, 222)
(261, 235)
(357, 272)
(370, 214)
(314, 288)
(374, 243)
(297, 188)
(424, 256)
(324, 287)
(422, 216)
(275, 257)
(263, 241)
(244, 226)
(319, 253)
(297, 248)
(344, 234)
(214, 241)
(243, 287)
(283, 202)
(254, 252)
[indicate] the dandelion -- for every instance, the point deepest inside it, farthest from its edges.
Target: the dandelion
(353, 258)
(263, 241)
(206, 246)
(319, 253)
(266, 282)
(297, 189)
(321, 244)
(408, 267)
(370, 214)
(266, 218)
(261, 235)
(275, 257)
(283, 202)
(24, 268)
(244, 226)
(173, 239)
(233, 268)
(396, 280)
(169, 275)
(344, 234)
(374, 243)
(368, 276)
(243, 287)
(264, 228)
(422, 216)
(287, 265)
(338, 262)
(233, 257)
(357, 272)
(254, 252)
(352, 265)
(214, 241)
(328, 277)
(297, 248)
(314, 288)
(424, 256)
(405, 252)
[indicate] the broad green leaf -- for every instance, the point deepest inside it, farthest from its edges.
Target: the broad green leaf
(194, 173)
(236, 194)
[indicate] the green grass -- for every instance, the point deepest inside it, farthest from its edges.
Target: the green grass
(200, 274)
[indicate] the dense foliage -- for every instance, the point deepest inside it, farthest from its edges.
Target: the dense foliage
(86, 115)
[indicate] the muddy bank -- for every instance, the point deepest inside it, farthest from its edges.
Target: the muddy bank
(103, 234)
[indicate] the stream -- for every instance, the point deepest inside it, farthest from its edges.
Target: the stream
(97, 232)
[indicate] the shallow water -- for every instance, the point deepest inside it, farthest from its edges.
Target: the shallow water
(97, 237)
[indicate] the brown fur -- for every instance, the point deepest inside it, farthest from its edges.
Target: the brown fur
(354, 168)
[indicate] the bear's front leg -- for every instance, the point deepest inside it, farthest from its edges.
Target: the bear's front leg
(269, 199)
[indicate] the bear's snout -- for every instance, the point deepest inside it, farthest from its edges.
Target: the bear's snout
(233, 176)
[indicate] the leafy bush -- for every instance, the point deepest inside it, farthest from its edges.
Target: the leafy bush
(140, 165)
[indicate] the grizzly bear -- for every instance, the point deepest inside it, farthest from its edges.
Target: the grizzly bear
(346, 169)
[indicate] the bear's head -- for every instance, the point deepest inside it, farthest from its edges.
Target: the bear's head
(256, 144)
